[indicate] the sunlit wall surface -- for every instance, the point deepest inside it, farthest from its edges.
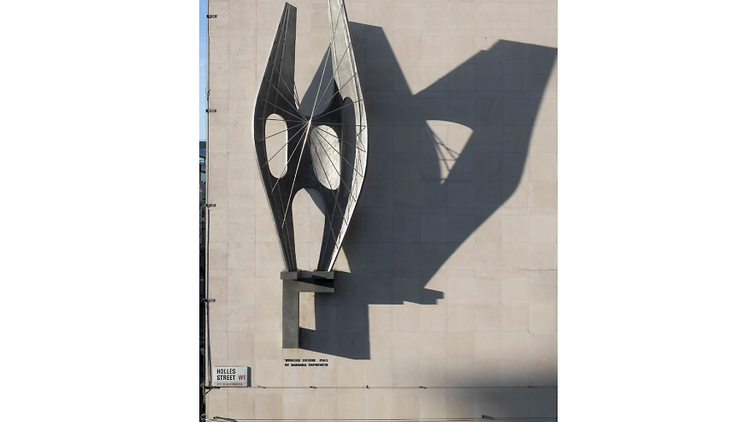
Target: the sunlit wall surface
(445, 304)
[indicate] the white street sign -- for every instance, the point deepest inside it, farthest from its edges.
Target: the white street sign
(230, 376)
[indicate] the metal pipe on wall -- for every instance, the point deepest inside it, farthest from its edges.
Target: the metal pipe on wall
(207, 384)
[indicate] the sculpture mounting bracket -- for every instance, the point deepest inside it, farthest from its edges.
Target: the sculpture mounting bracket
(296, 282)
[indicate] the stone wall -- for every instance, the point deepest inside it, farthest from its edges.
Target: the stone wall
(446, 300)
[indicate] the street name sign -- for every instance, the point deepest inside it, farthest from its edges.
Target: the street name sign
(230, 376)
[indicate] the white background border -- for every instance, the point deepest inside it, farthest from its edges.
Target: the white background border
(653, 196)
(100, 256)
(100, 210)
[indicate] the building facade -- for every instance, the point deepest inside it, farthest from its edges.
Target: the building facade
(445, 303)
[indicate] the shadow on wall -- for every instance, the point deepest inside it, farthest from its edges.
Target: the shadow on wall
(423, 196)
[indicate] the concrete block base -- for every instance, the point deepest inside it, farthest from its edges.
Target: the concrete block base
(296, 282)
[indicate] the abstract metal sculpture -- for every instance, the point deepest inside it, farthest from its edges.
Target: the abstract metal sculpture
(325, 151)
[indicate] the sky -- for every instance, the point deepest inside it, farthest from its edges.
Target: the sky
(202, 12)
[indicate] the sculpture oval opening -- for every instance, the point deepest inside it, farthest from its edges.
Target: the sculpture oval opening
(276, 137)
(326, 156)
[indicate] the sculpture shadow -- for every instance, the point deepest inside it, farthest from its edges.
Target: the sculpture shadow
(428, 186)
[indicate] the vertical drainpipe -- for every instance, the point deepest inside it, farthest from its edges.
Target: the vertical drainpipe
(207, 381)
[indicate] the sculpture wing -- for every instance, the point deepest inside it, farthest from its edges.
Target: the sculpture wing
(353, 130)
(276, 96)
